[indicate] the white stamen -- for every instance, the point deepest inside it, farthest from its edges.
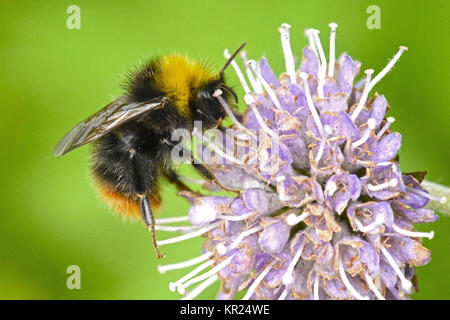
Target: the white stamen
(413, 234)
(373, 287)
(388, 67)
(250, 101)
(270, 92)
(180, 229)
(331, 187)
(170, 220)
(213, 271)
(236, 218)
(200, 288)
(245, 234)
(286, 45)
(386, 126)
(316, 286)
(364, 96)
(174, 285)
(426, 195)
(371, 125)
(379, 76)
(328, 129)
(384, 163)
(191, 235)
(258, 281)
(221, 249)
(391, 183)
(333, 27)
(443, 193)
(284, 294)
(379, 220)
(230, 113)
(293, 219)
(323, 63)
(288, 277)
(396, 170)
(348, 284)
(311, 106)
(184, 264)
(215, 148)
(406, 284)
(309, 34)
(238, 71)
(320, 152)
(257, 88)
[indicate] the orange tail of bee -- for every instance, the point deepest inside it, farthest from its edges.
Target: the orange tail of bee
(126, 204)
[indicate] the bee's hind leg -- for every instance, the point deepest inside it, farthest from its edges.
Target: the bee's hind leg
(149, 220)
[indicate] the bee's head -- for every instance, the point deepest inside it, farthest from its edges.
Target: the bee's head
(209, 110)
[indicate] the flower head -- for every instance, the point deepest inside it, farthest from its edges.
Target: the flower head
(324, 212)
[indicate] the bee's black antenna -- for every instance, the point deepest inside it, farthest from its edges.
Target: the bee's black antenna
(231, 91)
(149, 220)
(222, 72)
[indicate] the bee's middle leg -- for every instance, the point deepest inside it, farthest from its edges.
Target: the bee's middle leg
(174, 178)
(204, 172)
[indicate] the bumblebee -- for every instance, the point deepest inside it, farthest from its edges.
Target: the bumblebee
(131, 135)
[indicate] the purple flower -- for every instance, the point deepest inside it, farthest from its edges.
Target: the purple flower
(323, 209)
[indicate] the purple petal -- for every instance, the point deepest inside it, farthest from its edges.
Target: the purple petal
(234, 177)
(336, 289)
(206, 209)
(325, 261)
(267, 73)
(260, 201)
(348, 71)
(275, 236)
(334, 103)
(409, 251)
(339, 189)
(242, 261)
(379, 109)
(301, 273)
(310, 62)
(412, 198)
(388, 274)
(418, 215)
(346, 126)
(287, 99)
(330, 87)
(387, 147)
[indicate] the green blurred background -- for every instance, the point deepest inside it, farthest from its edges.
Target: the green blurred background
(52, 77)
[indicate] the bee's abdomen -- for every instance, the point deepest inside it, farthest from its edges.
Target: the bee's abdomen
(126, 204)
(126, 162)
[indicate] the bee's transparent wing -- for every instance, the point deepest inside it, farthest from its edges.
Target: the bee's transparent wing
(113, 115)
